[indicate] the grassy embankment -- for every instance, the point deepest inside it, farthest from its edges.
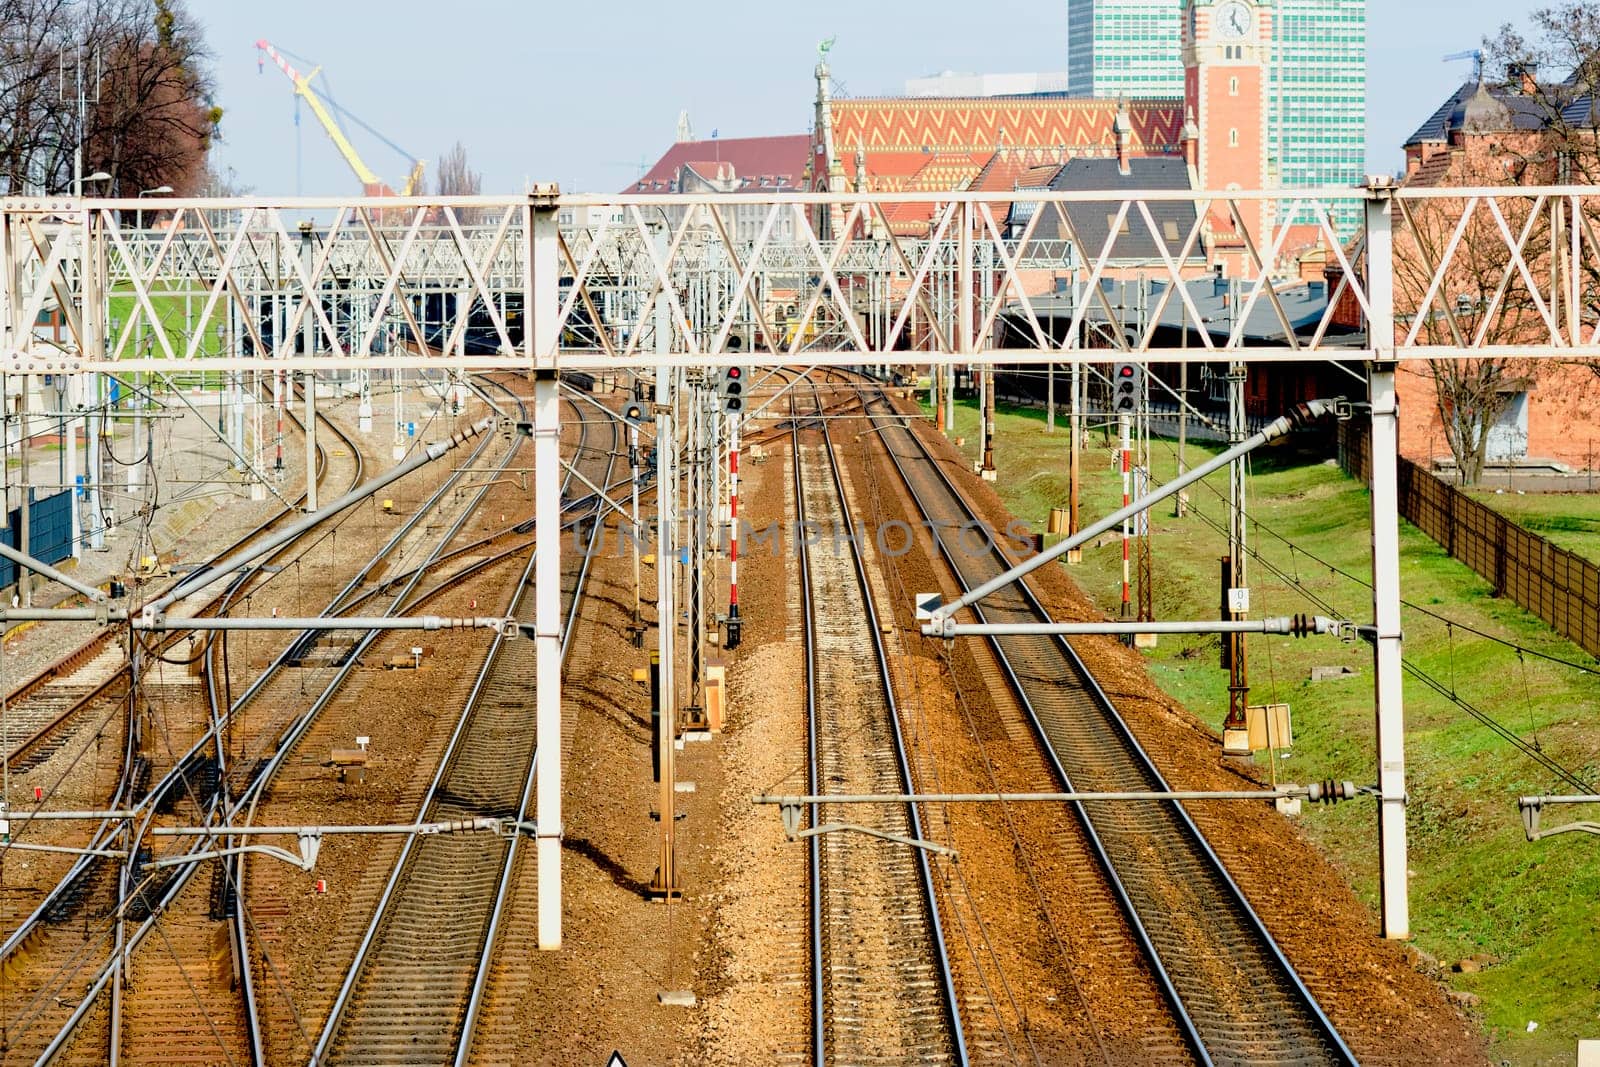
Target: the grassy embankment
(1570, 520)
(1478, 887)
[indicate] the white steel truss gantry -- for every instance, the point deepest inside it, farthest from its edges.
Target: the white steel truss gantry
(484, 283)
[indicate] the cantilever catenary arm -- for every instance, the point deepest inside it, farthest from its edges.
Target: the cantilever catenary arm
(202, 578)
(22, 559)
(1302, 415)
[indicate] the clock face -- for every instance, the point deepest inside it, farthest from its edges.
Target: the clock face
(1233, 20)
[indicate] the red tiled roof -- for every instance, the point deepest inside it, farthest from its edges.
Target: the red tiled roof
(1040, 176)
(1014, 168)
(779, 158)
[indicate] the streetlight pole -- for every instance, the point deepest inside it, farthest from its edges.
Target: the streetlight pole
(160, 190)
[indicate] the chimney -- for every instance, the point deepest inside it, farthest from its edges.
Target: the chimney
(1120, 128)
(1526, 75)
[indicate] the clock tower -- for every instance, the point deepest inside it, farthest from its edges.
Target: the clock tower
(1226, 51)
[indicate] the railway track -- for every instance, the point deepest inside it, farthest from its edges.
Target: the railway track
(882, 989)
(213, 1024)
(422, 971)
(67, 932)
(42, 712)
(1232, 992)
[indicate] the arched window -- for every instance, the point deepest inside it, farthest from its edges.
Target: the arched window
(1233, 86)
(1233, 138)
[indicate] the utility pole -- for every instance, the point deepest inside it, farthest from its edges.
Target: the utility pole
(1387, 643)
(1123, 431)
(1050, 397)
(735, 626)
(987, 470)
(84, 99)
(1141, 486)
(1075, 425)
(1180, 502)
(1236, 597)
(695, 451)
(637, 629)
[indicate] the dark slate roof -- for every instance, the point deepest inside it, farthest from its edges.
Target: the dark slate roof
(1093, 218)
(1303, 304)
(1436, 130)
(1525, 112)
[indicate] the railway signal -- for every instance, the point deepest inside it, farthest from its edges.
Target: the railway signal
(1127, 382)
(730, 387)
(634, 415)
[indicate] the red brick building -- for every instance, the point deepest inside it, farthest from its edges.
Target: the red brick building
(1496, 136)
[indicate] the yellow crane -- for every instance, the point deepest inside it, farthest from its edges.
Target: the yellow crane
(371, 184)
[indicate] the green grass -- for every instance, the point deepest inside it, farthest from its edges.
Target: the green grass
(1570, 520)
(1478, 886)
(175, 312)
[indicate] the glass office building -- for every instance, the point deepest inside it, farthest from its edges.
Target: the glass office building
(1317, 104)
(1124, 48)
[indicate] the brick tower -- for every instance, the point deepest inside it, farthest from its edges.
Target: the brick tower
(1226, 49)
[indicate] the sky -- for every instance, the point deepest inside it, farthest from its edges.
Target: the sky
(584, 93)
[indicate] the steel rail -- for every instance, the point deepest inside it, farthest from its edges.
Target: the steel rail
(285, 744)
(401, 871)
(480, 981)
(1334, 1046)
(268, 772)
(85, 652)
(123, 791)
(819, 1023)
(886, 680)
(808, 595)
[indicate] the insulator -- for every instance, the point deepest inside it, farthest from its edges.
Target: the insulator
(1329, 791)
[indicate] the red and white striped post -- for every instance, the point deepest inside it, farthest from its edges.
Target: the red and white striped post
(734, 624)
(1127, 498)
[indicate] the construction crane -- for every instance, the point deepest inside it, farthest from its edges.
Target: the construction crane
(1474, 54)
(371, 184)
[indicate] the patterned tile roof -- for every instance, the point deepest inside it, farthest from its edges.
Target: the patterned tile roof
(947, 144)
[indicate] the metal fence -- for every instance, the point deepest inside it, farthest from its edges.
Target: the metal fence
(1558, 586)
(49, 532)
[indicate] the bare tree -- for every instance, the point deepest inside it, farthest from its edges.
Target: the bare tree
(149, 118)
(1552, 73)
(453, 177)
(1474, 304)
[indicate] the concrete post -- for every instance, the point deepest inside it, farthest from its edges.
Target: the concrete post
(25, 523)
(1386, 564)
(665, 883)
(94, 347)
(543, 302)
(308, 380)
